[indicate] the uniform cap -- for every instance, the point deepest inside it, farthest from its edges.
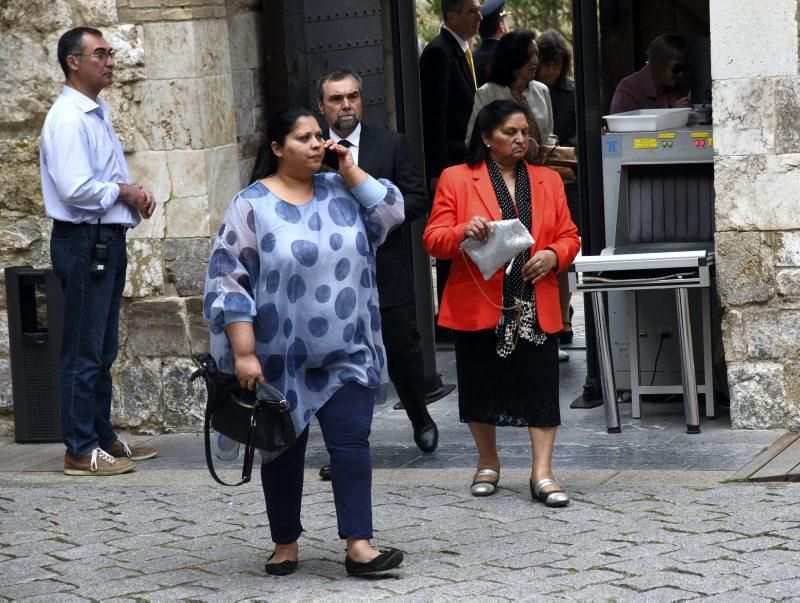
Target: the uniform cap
(490, 7)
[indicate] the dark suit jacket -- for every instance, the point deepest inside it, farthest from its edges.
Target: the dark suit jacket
(387, 154)
(447, 96)
(482, 57)
(565, 125)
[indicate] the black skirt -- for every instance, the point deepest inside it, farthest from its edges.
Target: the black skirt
(520, 390)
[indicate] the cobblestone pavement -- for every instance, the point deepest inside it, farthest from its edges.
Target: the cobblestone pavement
(651, 519)
(619, 539)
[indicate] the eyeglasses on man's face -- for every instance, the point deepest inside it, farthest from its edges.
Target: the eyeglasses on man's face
(100, 54)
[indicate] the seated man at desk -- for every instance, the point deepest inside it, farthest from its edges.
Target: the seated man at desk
(660, 83)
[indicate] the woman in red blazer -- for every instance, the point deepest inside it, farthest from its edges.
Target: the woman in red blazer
(506, 347)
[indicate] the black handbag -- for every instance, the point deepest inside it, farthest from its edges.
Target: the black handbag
(260, 422)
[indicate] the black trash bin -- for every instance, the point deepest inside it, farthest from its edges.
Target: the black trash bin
(35, 305)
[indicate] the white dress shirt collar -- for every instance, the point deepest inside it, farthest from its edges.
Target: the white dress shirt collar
(83, 102)
(354, 138)
(459, 39)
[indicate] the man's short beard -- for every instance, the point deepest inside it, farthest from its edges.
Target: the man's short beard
(343, 122)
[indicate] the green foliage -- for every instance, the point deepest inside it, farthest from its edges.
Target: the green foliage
(428, 19)
(537, 15)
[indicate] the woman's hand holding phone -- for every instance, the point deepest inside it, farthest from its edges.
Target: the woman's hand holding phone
(337, 157)
(348, 170)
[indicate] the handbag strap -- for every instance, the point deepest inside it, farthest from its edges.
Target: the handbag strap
(478, 285)
(249, 450)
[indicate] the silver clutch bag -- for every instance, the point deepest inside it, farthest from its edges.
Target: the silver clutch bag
(507, 239)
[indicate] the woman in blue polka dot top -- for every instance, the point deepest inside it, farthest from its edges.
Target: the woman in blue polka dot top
(291, 298)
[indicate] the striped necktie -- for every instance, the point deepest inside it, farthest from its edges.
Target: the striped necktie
(468, 52)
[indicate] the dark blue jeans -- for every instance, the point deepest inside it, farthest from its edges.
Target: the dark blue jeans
(91, 330)
(345, 420)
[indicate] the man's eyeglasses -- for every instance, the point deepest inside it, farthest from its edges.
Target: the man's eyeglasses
(100, 55)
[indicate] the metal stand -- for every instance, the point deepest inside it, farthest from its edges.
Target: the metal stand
(645, 271)
(687, 362)
(606, 366)
(688, 387)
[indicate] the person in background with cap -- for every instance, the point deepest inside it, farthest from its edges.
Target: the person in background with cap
(448, 84)
(492, 28)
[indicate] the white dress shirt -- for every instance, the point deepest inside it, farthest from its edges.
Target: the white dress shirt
(82, 163)
(354, 138)
(461, 41)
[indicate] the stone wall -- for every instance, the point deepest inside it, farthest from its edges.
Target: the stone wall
(754, 54)
(186, 104)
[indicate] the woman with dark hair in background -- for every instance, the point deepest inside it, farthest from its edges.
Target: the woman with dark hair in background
(291, 297)
(505, 344)
(555, 64)
(511, 77)
(660, 83)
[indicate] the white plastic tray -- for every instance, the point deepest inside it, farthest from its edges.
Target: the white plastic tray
(643, 120)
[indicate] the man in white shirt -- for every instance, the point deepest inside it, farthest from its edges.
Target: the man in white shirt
(88, 194)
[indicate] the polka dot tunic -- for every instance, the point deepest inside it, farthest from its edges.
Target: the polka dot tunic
(305, 277)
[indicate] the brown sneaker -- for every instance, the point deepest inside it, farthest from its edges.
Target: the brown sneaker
(96, 462)
(122, 450)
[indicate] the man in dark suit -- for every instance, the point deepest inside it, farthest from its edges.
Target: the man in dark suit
(387, 154)
(448, 84)
(492, 28)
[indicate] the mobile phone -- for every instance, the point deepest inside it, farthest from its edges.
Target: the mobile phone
(331, 159)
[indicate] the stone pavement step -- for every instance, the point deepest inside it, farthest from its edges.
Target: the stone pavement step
(656, 441)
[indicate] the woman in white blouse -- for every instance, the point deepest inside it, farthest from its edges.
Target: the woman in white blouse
(511, 77)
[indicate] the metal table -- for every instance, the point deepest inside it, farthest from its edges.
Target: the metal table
(678, 270)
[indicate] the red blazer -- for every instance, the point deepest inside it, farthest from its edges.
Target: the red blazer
(464, 192)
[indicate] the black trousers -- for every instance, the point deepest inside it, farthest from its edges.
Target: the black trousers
(404, 360)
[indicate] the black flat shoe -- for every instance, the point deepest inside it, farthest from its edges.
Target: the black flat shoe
(387, 560)
(325, 473)
(427, 437)
(284, 568)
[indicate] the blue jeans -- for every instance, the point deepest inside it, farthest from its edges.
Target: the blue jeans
(91, 330)
(345, 420)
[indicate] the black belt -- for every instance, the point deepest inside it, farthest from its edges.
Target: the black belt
(117, 228)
